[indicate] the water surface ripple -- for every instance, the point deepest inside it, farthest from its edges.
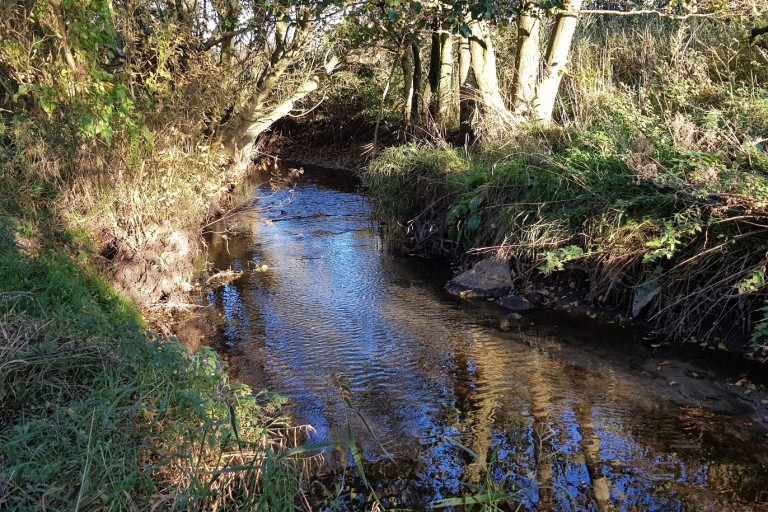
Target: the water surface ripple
(570, 417)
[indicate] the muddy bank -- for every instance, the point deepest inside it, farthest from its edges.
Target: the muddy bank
(157, 265)
(569, 292)
(331, 144)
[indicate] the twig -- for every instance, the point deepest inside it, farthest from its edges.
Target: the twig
(715, 248)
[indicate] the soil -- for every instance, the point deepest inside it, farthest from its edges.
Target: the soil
(154, 265)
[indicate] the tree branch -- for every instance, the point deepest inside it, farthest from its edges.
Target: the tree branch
(226, 35)
(711, 15)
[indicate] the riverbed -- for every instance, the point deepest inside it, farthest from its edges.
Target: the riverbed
(564, 413)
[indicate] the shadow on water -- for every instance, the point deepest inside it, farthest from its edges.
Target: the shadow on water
(568, 415)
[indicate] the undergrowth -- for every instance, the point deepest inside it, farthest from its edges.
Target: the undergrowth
(654, 190)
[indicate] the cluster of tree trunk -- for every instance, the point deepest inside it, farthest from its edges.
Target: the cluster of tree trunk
(480, 101)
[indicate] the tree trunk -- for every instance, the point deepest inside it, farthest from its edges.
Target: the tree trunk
(484, 68)
(417, 72)
(384, 93)
(60, 31)
(246, 124)
(527, 60)
(446, 75)
(556, 60)
(433, 76)
(467, 100)
(407, 64)
(243, 136)
(229, 19)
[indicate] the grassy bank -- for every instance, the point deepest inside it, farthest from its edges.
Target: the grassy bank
(659, 233)
(96, 413)
(107, 176)
(98, 233)
(684, 244)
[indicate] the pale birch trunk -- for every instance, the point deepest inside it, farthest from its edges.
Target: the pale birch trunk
(484, 68)
(407, 64)
(556, 59)
(446, 75)
(467, 101)
(527, 60)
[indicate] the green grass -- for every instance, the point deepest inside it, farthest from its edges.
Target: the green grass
(96, 413)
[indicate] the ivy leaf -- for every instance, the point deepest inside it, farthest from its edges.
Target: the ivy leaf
(475, 203)
(473, 223)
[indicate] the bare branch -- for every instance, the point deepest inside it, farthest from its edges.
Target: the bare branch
(661, 14)
(226, 35)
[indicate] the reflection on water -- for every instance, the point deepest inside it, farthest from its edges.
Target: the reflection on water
(548, 411)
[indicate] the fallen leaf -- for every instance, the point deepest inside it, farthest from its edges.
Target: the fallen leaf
(747, 384)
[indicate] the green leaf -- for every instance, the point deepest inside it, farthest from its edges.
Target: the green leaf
(473, 223)
(415, 7)
(356, 455)
(475, 203)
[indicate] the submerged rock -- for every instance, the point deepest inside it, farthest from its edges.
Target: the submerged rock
(510, 321)
(535, 298)
(489, 278)
(515, 303)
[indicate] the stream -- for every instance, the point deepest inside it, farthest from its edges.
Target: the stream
(566, 412)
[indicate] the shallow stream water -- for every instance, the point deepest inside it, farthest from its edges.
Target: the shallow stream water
(567, 413)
